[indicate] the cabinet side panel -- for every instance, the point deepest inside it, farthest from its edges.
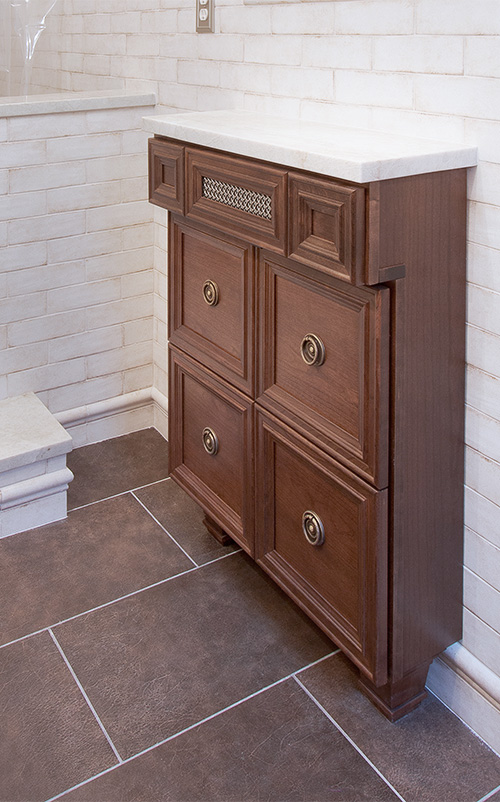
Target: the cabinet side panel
(428, 389)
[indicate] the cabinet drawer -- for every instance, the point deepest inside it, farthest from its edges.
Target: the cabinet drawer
(211, 301)
(341, 581)
(211, 446)
(324, 359)
(327, 226)
(166, 174)
(245, 198)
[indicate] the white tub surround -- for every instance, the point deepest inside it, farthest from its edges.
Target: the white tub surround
(345, 153)
(33, 473)
(60, 102)
(78, 287)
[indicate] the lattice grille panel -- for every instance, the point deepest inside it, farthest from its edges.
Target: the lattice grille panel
(246, 200)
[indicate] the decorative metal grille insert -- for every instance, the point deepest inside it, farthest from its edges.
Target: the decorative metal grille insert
(246, 200)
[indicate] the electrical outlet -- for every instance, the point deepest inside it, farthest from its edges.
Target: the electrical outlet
(204, 16)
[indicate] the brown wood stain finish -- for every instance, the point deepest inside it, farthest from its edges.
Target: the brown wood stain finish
(369, 437)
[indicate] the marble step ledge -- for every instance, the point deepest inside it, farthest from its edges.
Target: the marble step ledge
(33, 475)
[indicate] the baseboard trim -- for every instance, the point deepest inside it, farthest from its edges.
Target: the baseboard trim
(121, 414)
(470, 689)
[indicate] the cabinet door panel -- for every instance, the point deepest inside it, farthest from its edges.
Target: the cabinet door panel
(211, 301)
(166, 174)
(327, 225)
(341, 399)
(340, 582)
(217, 472)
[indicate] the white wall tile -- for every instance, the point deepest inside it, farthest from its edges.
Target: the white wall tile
(46, 176)
(316, 18)
(483, 558)
(44, 277)
(374, 89)
(482, 475)
(374, 17)
(483, 641)
(47, 227)
(483, 350)
(481, 599)
(482, 515)
(330, 52)
(427, 54)
(483, 392)
(483, 305)
(83, 147)
(457, 17)
(483, 266)
(89, 342)
(483, 433)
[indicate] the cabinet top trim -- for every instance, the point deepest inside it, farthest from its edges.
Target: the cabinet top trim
(350, 154)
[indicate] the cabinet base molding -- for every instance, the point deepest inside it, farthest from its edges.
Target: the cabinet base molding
(396, 699)
(217, 532)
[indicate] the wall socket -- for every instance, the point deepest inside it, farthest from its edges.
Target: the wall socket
(204, 16)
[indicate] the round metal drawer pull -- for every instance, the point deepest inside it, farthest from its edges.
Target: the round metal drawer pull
(312, 350)
(210, 441)
(313, 528)
(211, 293)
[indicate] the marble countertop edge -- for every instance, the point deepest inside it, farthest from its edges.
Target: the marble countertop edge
(60, 102)
(354, 155)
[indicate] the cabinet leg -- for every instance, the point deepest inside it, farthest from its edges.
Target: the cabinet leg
(396, 699)
(217, 532)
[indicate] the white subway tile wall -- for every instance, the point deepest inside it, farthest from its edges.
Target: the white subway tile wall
(416, 66)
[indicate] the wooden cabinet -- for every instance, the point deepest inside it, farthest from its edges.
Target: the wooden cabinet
(316, 395)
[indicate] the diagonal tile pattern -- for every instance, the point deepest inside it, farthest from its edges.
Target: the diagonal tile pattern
(162, 660)
(180, 658)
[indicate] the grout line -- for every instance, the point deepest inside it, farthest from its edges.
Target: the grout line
(193, 726)
(348, 738)
(114, 601)
(317, 662)
(165, 530)
(117, 495)
(489, 795)
(91, 706)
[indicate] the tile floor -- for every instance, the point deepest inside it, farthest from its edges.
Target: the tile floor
(141, 662)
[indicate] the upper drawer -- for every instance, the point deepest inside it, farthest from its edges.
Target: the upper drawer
(240, 196)
(327, 226)
(166, 174)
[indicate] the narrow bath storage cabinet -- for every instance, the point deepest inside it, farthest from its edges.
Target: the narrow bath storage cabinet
(316, 371)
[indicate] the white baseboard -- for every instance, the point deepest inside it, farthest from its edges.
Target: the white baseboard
(122, 414)
(470, 689)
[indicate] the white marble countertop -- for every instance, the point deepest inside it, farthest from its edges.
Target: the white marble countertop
(347, 153)
(27, 105)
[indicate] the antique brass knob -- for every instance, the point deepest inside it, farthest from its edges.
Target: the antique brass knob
(210, 441)
(313, 528)
(211, 293)
(312, 350)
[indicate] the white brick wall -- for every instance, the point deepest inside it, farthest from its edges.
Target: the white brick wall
(76, 269)
(418, 66)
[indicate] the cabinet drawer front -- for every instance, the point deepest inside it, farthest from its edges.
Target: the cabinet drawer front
(242, 197)
(339, 396)
(211, 446)
(340, 582)
(166, 175)
(327, 226)
(211, 301)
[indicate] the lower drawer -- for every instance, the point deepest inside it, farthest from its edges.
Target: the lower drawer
(211, 445)
(321, 533)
